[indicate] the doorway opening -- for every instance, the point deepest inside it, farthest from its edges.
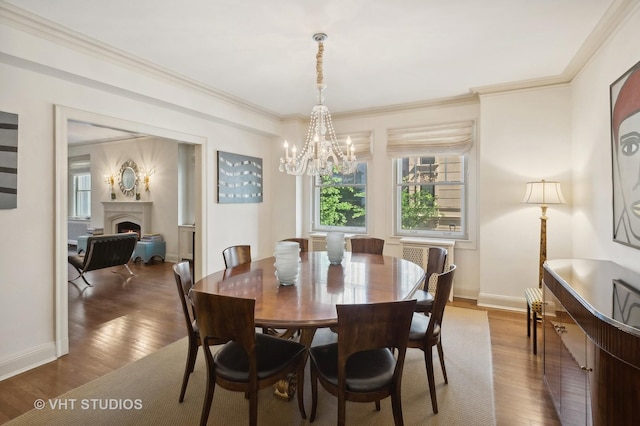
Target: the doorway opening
(66, 117)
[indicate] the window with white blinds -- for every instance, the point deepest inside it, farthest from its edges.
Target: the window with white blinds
(431, 164)
(80, 189)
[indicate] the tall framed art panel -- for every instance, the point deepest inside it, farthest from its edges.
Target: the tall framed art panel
(625, 155)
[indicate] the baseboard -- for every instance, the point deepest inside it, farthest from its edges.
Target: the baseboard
(16, 364)
(502, 302)
(468, 294)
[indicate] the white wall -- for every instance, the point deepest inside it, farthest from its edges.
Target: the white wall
(31, 86)
(591, 154)
(525, 136)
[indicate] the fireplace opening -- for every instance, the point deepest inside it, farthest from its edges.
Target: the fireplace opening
(124, 227)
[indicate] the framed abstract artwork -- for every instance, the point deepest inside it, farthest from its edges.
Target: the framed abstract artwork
(8, 160)
(239, 178)
(625, 156)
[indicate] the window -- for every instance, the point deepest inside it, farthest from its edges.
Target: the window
(431, 185)
(80, 187)
(82, 195)
(340, 201)
(430, 194)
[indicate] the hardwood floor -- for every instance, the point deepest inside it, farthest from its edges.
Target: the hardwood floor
(521, 397)
(121, 320)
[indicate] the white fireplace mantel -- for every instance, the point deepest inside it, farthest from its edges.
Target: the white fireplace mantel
(138, 212)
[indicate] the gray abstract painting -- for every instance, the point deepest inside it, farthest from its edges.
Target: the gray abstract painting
(8, 160)
(239, 178)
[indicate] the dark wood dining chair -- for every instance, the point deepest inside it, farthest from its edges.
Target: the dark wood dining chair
(362, 367)
(426, 331)
(184, 282)
(304, 243)
(236, 255)
(239, 255)
(436, 263)
(367, 245)
(247, 361)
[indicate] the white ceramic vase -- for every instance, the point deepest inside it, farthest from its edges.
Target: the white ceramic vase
(287, 256)
(335, 247)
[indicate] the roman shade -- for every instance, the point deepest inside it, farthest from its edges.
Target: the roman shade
(438, 139)
(361, 142)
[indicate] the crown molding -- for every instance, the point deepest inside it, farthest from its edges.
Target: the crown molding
(466, 99)
(33, 24)
(469, 98)
(617, 13)
(26, 21)
(615, 16)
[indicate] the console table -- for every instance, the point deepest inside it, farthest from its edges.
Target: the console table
(591, 338)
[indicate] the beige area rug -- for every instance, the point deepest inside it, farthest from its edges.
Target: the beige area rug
(146, 391)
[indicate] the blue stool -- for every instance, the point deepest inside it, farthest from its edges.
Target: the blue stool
(146, 250)
(82, 243)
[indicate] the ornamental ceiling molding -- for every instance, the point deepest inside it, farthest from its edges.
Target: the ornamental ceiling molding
(616, 15)
(50, 31)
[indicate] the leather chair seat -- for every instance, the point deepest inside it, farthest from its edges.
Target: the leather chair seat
(419, 324)
(424, 301)
(272, 353)
(366, 370)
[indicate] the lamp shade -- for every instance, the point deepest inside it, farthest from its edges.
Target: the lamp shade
(543, 192)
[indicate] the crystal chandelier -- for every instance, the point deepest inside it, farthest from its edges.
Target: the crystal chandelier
(320, 152)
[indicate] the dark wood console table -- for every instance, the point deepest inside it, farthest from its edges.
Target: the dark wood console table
(592, 341)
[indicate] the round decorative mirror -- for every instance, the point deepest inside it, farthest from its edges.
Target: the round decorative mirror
(128, 178)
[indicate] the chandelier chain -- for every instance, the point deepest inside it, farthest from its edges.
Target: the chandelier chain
(320, 76)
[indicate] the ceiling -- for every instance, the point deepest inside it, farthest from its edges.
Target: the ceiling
(379, 53)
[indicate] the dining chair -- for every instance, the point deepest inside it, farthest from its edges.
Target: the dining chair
(184, 282)
(247, 361)
(236, 255)
(426, 331)
(436, 263)
(367, 245)
(304, 243)
(239, 255)
(361, 366)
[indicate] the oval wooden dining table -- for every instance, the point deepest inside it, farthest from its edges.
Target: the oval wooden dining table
(311, 302)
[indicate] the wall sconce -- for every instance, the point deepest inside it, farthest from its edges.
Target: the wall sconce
(143, 178)
(110, 180)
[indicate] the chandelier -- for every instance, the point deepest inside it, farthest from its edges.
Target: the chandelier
(321, 151)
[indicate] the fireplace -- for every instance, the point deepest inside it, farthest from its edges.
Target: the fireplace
(127, 226)
(132, 215)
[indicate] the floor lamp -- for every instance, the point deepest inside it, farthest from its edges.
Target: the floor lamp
(543, 193)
